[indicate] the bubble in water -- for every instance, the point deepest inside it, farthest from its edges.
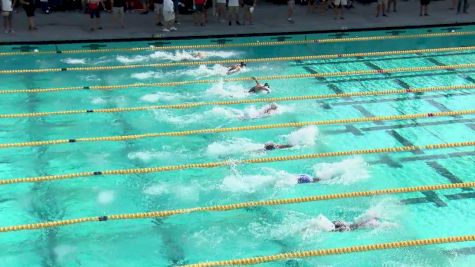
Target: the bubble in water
(106, 197)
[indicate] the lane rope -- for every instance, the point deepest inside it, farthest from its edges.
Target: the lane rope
(237, 102)
(231, 61)
(206, 165)
(119, 138)
(248, 44)
(336, 251)
(235, 206)
(237, 79)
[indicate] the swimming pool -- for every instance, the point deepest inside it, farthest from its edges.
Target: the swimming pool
(247, 232)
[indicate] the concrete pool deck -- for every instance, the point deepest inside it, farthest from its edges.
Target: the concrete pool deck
(269, 18)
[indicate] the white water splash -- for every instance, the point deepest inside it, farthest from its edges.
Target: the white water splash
(227, 91)
(134, 59)
(344, 172)
(148, 156)
(232, 147)
(98, 101)
(205, 71)
(305, 136)
(147, 75)
(74, 61)
(160, 96)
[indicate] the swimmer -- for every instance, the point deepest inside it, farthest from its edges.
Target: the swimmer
(270, 109)
(199, 55)
(306, 179)
(259, 87)
(341, 226)
(236, 68)
(272, 146)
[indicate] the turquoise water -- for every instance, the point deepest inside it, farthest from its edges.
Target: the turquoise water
(248, 232)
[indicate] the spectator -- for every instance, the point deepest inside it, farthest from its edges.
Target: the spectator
(208, 5)
(389, 2)
(158, 8)
(233, 11)
(118, 9)
(465, 6)
(221, 10)
(199, 16)
(168, 16)
(424, 4)
(290, 12)
(7, 14)
(339, 6)
(146, 6)
(249, 6)
(93, 7)
(382, 4)
(29, 6)
(175, 9)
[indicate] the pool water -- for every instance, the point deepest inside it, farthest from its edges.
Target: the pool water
(199, 237)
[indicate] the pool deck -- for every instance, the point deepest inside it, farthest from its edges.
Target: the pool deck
(270, 18)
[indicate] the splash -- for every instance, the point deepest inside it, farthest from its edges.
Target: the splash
(74, 61)
(238, 183)
(147, 75)
(381, 214)
(98, 101)
(344, 172)
(105, 197)
(305, 136)
(129, 60)
(191, 55)
(204, 71)
(147, 156)
(227, 91)
(232, 147)
(160, 96)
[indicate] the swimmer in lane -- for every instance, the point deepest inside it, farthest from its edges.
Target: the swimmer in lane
(236, 68)
(259, 87)
(272, 146)
(199, 55)
(341, 226)
(306, 179)
(270, 109)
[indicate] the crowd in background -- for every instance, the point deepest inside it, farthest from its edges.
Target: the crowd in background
(232, 12)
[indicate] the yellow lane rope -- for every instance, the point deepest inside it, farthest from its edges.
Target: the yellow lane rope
(119, 138)
(235, 206)
(262, 78)
(248, 44)
(205, 165)
(231, 61)
(237, 102)
(336, 251)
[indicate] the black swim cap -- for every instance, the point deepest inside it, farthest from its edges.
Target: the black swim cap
(266, 84)
(269, 146)
(243, 64)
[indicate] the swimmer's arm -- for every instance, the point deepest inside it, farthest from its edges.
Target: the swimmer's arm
(316, 180)
(284, 146)
(257, 82)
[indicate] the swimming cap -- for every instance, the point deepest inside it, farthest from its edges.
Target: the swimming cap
(269, 146)
(304, 179)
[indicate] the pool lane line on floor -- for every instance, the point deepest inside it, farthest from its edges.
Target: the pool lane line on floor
(206, 165)
(236, 206)
(335, 251)
(233, 61)
(238, 79)
(242, 101)
(121, 138)
(248, 44)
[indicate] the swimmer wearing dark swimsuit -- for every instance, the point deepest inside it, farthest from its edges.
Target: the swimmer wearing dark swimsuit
(236, 68)
(272, 146)
(259, 87)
